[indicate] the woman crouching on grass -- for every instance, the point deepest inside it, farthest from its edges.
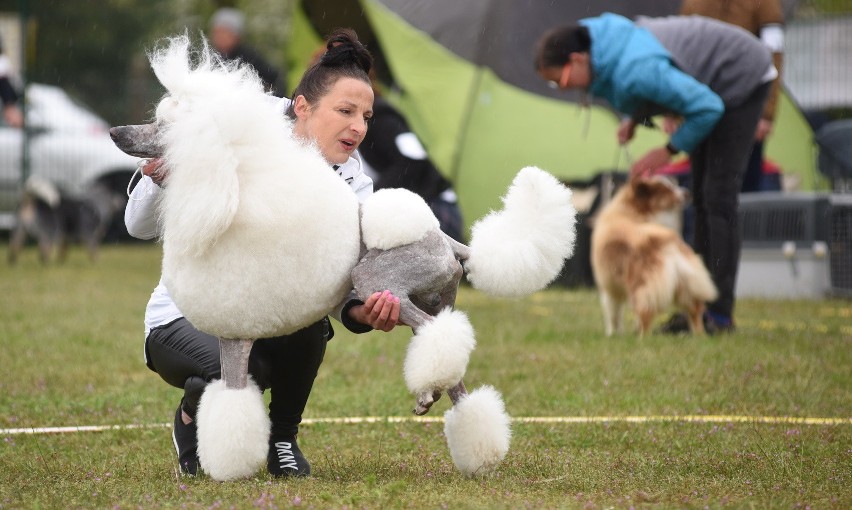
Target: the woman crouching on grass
(331, 107)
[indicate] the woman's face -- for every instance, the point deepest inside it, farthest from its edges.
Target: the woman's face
(557, 77)
(338, 121)
(574, 74)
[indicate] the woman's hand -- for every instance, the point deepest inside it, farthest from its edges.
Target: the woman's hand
(626, 130)
(764, 129)
(13, 115)
(651, 162)
(671, 124)
(381, 311)
(155, 170)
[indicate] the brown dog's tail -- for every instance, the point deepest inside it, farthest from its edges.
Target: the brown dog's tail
(693, 275)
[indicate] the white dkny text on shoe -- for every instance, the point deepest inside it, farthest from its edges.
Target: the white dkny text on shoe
(285, 455)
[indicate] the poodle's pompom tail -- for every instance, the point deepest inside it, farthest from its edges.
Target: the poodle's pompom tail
(233, 431)
(438, 353)
(478, 431)
(521, 249)
(395, 217)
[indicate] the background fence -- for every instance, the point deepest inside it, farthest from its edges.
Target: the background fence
(818, 59)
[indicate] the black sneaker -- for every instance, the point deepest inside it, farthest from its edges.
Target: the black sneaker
(285, 458)
(676, 324)
(185, 438)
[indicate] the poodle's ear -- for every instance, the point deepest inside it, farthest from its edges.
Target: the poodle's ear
(200, 205)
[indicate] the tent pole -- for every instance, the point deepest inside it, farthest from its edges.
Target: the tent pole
(471, 104)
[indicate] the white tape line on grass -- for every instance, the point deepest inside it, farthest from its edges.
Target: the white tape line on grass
(82, 428)
(787, 420)
(697, 418)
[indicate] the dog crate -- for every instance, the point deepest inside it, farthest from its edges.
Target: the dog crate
(588, 196)
(840, 245)
(795, 245)
(834, 159)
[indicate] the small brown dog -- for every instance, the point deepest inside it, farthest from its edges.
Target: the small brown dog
(637, 259)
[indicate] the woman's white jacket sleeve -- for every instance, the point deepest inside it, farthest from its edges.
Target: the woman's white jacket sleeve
(140, 215)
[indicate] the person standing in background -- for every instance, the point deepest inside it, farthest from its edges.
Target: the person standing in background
(764, 19)
(227, 26)
(713, 75)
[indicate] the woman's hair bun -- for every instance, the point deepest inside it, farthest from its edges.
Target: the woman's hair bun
(344, 49)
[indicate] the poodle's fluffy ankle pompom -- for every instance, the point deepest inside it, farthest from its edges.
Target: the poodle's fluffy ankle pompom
(521, 249)
(233, 431)
(395, 217)
(438, 353)
(478, 431)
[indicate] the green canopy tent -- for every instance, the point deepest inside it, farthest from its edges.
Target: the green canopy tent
(462, 73)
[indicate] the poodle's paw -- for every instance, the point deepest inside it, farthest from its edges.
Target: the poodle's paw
(425, 401)
(233, 431)
(478, 431)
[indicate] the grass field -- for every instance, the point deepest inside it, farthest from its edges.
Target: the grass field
(71, 355)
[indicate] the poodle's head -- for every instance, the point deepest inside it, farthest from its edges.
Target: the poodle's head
(213, 113)
(204, 93)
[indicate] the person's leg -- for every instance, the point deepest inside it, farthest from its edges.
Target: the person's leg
(754, 170)
(185, 358)
(721, 162)
(292, 365)
(694, 229)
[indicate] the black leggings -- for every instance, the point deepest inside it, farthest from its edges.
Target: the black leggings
(718, 166)
(188, 358)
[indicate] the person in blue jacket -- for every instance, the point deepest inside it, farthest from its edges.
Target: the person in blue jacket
(714, 77)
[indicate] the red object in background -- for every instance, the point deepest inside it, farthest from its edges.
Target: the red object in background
(770, 167)
(675, 168)
(682, 167)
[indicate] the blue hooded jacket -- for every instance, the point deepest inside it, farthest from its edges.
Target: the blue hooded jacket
(632, 70)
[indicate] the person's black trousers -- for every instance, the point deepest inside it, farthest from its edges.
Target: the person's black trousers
(718, 166)
(187, 358)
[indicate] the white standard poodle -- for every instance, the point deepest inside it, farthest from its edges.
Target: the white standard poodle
(262, 238)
